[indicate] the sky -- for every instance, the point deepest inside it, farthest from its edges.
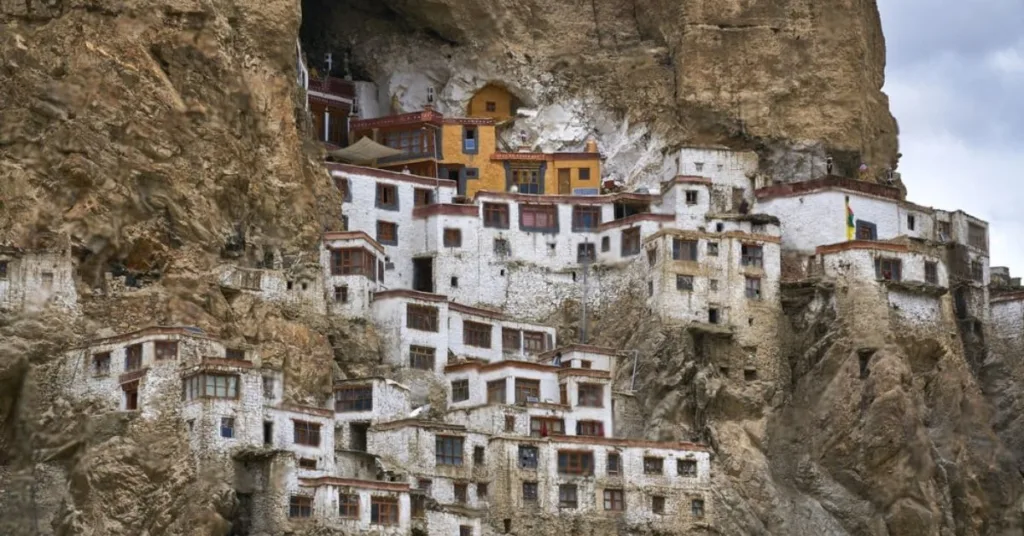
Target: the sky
(955, 80)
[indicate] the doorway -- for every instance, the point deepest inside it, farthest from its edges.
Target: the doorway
(423, 274)
(131, 396)
(268, 433)
(357, 435)
(564, 182)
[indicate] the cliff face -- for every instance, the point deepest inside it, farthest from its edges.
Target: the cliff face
(780, 75)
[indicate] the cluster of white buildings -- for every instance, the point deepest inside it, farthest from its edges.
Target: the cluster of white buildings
(459, 290)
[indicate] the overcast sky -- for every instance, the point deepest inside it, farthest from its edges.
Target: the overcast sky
(955, 80)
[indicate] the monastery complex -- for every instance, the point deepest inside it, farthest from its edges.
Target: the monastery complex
(456, 246)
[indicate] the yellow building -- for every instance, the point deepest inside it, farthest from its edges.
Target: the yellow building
(493, 102)
(467, 145)
(553, 173)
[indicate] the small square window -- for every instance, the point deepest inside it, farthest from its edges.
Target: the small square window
(658, 504)
(585, 253)
(461, 492)
(567, 496)
(452, 238)
(227, 427)
(713, 284)
(454, 283)
(387, 196)
(606, 244)
(614, 464)
(697, 508)
(931, 273)
(584, 174)
(749, 375)
(300, 506)
(691, 197)
(341, 294)
(713, 316)
(460, 390)
(387, 233)
(713, 249)
(491, 106)
(481, 491)
(688, 467)
(478, 454)
(530, 491)
(502, 247)
(653, 465)
(684, 282)
(753, 288)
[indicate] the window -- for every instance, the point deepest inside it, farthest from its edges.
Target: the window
(341, 294)
(478, 455)
(165, 350)
(496, 215)
(910, 222)
(430, 95)
(352, 261)
(614, 465)
(751, 255)
(686, 467)
(749, 375)
(866, 230)
(268, 387)
(227, 427)
(344, 222)
(691, 197)
(590, 428)
(931, 273)
(977, 271)
(510, 423)
(496, 392)
(421, 317)
(306, 433)
(527, 179)
(976, 236)
(585, 252)
(47, 280)
(542, 427)
(421, 357)
(491, 106)
(585, 218)
(469, 140)
(567, 496)
(584, 174)
(449, 450)
(684, 250)
(614, 500)
(658, 504)
(712, 315)
(300, 506)
(133, 357)
(591, 395)
(563, 395)
(421, 197)
(461, 489)
(424, 484)
(307, 463)
(101, 364)
(534, 341)
(502, 249)
(387, 196)
(606, 244)
(712, 249)
(3, 269)
(452, 238)
(348, 506)
(753, 288)
(527, 391)
(387, 233)
(510, 339)
(631, 241)
(888, 269)
(541, 218)
(684, 282)
(575, 462)
(530, 491)
(353, 398)
(652, 255)
(527, 457)
(653, 465)
(131, 395)
(481, 491)
(944, 231)
(235, 354)
(697, 507)
(713, 284)
(210, 386)
(384, 510)
(465, 530)
(418, 505)
(476, 334)
(460, 390)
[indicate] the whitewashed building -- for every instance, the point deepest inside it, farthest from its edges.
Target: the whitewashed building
(31, 280)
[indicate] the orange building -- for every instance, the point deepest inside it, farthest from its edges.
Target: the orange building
(493, 102)
(465, 150)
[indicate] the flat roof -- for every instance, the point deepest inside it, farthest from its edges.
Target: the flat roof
(187, 331)
(387, 174)
(830, 182)
(353, 235)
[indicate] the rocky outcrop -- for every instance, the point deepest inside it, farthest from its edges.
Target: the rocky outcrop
(794, 79)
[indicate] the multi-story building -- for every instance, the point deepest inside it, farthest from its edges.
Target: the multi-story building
(34, 279)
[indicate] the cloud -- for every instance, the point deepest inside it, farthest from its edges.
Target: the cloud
(954, 86)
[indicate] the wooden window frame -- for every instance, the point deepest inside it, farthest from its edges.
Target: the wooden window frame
(568, 496)
(387, 233)
(590, 395)
(536, 212)
(497, 391)
(348, 505)
(551, 422)
(687, 468)
(890, 265)
(449, 450)
(460, 390)
(586, 218)
(227, 424)
(307, 463)
(300, 507)
(531, 491)
(341, 294)
(752, 255)
(196, 386)
(614, 500)
(422, 357)
(631, 243)
(535, 341)
(575, 462)
(587, 428)
(422, 197)
(613, 469)
(658, 504)
(584, 173)
(679, 245)
(476, 334)
(511, 339)
(353, 398)
(531, 461)
(452, 237)
(697, 508)
(386, 197)
(525, 388)
(977, 236)
(421, 317)
(692, 197)
(931, 272)
(606, 244)
(306, 433)
(684, 282)
(98, 359)
(586, 252)
(165, 350)
(496, 215)
(385, 509)
(353, 261)
(133, 357)
(654, 465)
(752, 288)
(460, 490)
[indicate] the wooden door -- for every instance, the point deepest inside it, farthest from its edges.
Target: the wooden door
(564, 183)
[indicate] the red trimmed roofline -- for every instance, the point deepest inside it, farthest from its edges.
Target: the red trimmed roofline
(586, 348)
(635, 219)
(1008, 297)
(559, 199)
(827, 183)
(861, 245)
(609, 442)
(393, 175)
(354, 483)
(538, 157)
(446, 209)
(424, 116)
(498, 365)
(146, 332)
(409, 293)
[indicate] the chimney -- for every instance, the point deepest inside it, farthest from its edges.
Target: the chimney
(591, 146)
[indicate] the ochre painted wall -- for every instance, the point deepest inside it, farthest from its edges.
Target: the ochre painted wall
(551, 178)
(492, 174)
(501, 98)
